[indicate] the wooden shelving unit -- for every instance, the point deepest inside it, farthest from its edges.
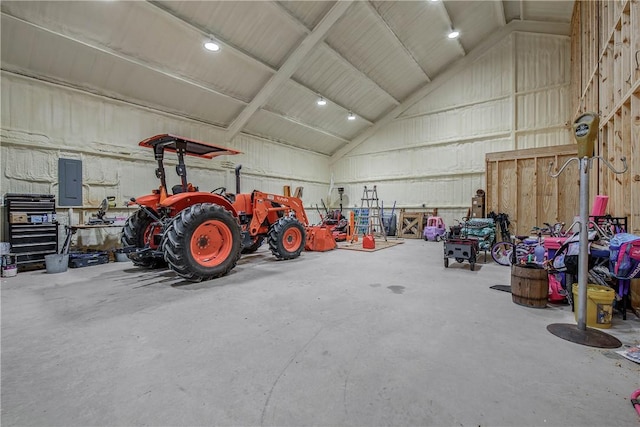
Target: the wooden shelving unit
(606, 79)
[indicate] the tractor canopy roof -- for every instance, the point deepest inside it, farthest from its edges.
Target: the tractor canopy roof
(192, 147)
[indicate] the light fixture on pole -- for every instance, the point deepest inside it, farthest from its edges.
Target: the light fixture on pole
(321, 101)
(351, 116)
(211, 45)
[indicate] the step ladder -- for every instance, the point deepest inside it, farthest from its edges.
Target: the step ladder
(371, 219)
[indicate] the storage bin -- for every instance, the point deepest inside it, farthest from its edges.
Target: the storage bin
(9, 265)
(56, 263)
(552, 244)
(86, 260)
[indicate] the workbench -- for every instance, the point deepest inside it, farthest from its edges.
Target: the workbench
(92, 240)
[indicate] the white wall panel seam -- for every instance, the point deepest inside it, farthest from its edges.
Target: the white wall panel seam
(43, 80)
(542, 129)
(271, 141)
(58, 85)
(423, 178)
(435, 144)
(544, 89)
(454, 107)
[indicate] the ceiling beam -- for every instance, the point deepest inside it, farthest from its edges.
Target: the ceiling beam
(129, 59)
(369, 81)
(447, 18)
(289, 66)
(225, 44)
(553, 28)
(399, 42)
(206, 34)
(337, 55)
(305, 125)
(502, 20)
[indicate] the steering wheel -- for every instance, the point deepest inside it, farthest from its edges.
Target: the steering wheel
(219, 190)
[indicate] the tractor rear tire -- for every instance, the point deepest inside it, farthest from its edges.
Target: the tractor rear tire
(287, 237)
(202, 243)
(136, 233)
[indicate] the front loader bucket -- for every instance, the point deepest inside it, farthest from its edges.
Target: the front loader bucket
(319, 239)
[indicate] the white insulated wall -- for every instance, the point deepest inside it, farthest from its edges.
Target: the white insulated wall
(42, 122)
(515, 96)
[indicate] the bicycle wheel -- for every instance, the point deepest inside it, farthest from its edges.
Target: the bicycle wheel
(501, 253)
(523, 250)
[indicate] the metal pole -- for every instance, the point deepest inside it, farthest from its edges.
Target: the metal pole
(583, 257)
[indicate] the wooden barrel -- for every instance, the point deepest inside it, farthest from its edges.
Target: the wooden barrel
(529, 286)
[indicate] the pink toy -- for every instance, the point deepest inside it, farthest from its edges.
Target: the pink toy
(599, 205)
(435, 229)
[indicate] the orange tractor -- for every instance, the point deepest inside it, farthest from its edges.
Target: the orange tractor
(201, 235)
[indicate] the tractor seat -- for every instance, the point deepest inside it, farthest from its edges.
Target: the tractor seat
(177, 189)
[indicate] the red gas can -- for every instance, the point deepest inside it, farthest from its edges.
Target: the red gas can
(368, 242)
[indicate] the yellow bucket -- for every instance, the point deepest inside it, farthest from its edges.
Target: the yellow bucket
(599, 305)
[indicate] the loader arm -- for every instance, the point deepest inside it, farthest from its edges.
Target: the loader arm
(263, 208)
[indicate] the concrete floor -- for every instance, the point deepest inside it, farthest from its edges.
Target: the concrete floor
(340, 338)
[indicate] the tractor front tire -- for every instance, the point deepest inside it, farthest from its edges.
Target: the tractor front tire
(203, 242)
(137, 233)
(136, 229)
(287, 237)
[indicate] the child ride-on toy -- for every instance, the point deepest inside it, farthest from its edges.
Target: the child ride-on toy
(435, 229)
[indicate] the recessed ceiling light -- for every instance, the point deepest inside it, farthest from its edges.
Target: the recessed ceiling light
(321, 101)
(453, 34)
(351, 116)
(212, 46)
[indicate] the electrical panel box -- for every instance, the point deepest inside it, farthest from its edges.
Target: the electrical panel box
(70, 182)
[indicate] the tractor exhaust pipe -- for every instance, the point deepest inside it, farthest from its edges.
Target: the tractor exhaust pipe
(238, 178)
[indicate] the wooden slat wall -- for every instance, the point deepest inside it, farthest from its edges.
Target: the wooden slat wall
(518, 184)
(634, 167)
(606, 79)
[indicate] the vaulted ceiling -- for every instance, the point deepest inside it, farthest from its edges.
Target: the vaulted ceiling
(276, 58)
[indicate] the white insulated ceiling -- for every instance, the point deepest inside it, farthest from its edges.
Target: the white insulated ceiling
(276, 57)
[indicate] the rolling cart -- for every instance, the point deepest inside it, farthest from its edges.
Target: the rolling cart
(461, 250)
(459, 247)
